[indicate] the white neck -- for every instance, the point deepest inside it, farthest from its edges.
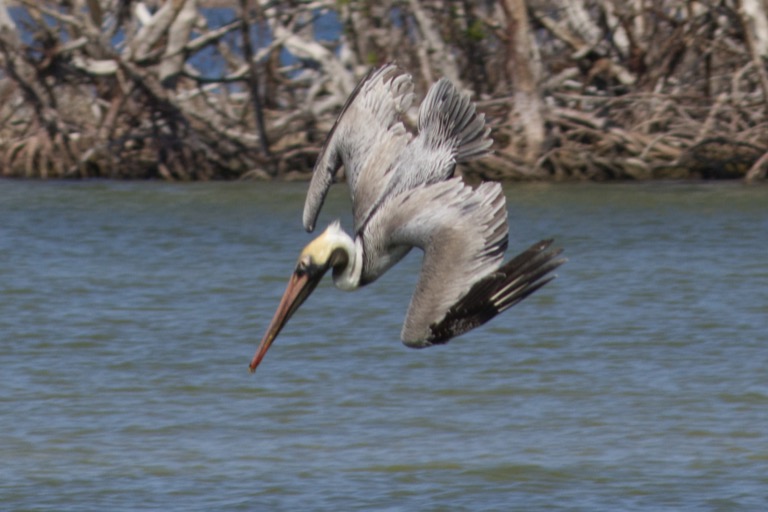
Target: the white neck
(347, 278)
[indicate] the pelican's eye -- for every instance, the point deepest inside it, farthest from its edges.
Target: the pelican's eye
(303, 266)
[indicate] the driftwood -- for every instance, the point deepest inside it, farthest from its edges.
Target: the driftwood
(202, 89)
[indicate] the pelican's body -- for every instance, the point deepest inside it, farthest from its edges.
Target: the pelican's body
(404, 195)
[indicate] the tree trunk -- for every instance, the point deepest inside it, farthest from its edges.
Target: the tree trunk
(434, 52)
(253, 79)
(178, 35)
(6, 23)
(755, 20)
(523, 71)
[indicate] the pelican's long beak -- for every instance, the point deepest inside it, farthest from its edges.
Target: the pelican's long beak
(299, 288)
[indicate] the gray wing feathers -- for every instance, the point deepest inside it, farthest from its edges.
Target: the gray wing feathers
(463, 233)
(370, 116)
(448, 117)
(450, 132)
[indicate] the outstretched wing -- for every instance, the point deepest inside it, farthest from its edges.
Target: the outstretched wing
(463, 233)
(366, 137)
(497, 292)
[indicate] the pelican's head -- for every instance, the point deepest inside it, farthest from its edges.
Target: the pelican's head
(331, 250)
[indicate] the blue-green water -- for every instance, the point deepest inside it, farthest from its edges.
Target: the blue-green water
(637, 380)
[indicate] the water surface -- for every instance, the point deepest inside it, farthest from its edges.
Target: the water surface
(129, 311)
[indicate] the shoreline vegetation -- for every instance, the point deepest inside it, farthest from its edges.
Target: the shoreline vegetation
(248, 89)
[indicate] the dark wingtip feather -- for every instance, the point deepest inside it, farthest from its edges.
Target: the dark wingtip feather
(513, 282)
(526, 273)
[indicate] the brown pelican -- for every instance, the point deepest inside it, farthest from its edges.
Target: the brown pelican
(404, 195)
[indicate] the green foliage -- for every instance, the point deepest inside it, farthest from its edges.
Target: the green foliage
(476, 31)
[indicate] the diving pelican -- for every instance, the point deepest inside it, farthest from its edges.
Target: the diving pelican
(404, 195)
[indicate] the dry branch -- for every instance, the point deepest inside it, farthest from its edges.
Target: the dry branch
(588, 89)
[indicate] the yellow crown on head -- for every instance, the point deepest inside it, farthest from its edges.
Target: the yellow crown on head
(319, 250)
